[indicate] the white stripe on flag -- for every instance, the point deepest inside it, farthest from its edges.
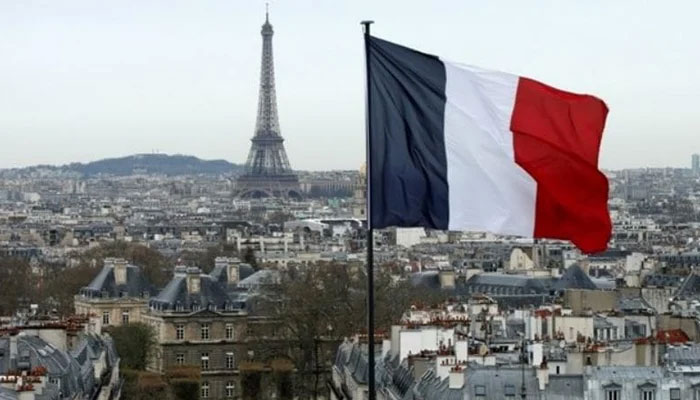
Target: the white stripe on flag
(488, 191)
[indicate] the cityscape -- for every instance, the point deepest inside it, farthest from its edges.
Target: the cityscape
(168, 276)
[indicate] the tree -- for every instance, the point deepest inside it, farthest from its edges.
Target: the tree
(142, 385)
(184, 382)
(279, 217)
(17, 285)
(249, 257)
(135, 343)
(62, 284)
(205, 259)
(321, 304)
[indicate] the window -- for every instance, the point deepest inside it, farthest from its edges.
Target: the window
(675, 394)
(125, 317)
(179, 332)
(205, 390)
(229, 360)
(480, 391)
(229, 331)
(612, 394)
(229, 389)
(205, 360)
(205, 331)
(510, 390)
(647, 394)
(180, 358)
(105, 317)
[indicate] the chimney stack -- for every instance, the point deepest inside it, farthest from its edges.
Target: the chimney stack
(447, 278)
(232, 266)
(193, 280)
(119, 266)
(456, 377)
(543, 376)
(462, 351)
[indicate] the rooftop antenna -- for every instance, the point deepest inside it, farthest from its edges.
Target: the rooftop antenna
(267, 12)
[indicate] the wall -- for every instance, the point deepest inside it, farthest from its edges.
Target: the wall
(580, 300)
(687, 324)
(572, 326)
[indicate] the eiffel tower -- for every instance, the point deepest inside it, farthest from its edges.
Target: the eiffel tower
(267, 170)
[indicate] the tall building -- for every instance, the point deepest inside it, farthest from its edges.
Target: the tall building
(268, 173)
(696, 163)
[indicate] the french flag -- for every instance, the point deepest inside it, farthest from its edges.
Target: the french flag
(456, 147)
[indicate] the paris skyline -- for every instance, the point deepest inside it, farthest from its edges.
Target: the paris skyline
(87, 81)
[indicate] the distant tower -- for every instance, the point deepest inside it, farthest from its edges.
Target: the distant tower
(268, 173)
(695, 165)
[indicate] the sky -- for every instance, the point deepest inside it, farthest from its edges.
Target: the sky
(82, 80)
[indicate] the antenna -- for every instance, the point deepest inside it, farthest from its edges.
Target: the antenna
(267, 11)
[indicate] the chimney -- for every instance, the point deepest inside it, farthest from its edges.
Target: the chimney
(13, 348)
(447, 278)
(456, 377)
(443, 365)
(119, 267)
(386, 347)
(232, 266)
(462, 351)
(543, 376)
(193, 280)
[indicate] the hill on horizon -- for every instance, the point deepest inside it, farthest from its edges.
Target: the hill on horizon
(165, 164)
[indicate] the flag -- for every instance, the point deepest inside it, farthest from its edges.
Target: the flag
(456, 147)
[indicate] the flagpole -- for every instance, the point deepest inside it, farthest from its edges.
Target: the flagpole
(370, 231)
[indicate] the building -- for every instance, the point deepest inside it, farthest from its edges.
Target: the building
(435, 360)
(118, 295)
(695, 163)
(359, 196)
(209, 321)
(198, 323)
(56, 360)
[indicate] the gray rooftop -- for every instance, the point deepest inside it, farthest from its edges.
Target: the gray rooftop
(574, 278)
(104, 284)
(212, 295)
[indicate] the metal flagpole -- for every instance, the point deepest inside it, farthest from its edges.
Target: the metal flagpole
(370, 231)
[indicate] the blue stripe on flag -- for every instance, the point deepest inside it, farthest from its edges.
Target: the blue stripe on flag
(408, 182)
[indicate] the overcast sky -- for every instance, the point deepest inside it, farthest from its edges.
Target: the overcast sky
(82, 79)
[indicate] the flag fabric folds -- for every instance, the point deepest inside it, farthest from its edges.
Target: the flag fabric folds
(462, 148)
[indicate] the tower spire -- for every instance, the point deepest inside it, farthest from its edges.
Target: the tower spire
(268, 172)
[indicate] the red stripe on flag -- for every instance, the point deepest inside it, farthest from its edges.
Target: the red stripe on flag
(556, 136)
